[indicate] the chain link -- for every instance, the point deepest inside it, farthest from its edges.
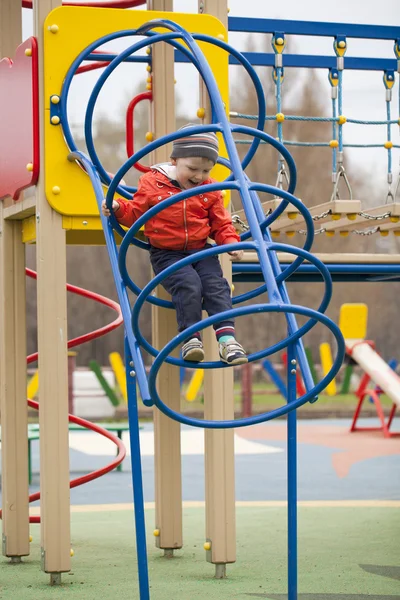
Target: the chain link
(366, 233)
(369, 217)
(238, 221)
(316, 232)
(355, 231)
(322, 215)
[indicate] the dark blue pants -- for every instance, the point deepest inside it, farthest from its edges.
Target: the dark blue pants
(194, 287)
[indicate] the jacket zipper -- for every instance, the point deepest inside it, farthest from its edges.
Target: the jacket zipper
(185, 225)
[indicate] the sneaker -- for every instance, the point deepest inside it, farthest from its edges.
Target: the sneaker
(192, 350)
(232, 353)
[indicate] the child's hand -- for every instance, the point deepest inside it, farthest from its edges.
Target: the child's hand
(106, 212)
(236, 254)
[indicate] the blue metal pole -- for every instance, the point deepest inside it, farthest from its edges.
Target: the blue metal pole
(292, 475)
(182, 371)
(137, 480)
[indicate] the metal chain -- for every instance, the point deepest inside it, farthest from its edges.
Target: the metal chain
(237, 220)
(355, 231)
(365, 215)
(322, 215)
(316, 232)
(366, 233)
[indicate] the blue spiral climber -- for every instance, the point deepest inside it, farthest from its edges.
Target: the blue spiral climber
(257, 239)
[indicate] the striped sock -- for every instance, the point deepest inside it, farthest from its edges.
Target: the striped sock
(225, 332)
(225, 338)
(194, 335)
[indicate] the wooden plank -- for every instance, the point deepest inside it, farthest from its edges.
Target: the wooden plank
(13, 406)
(167, 451)
(52, 344)
(292, 220)
(329, 212)
(21, 210)
(218, 405)
(363, 222)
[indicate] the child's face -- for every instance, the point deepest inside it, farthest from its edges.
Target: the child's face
(192, 171)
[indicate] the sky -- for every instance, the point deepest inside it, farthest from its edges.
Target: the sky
(364, 93)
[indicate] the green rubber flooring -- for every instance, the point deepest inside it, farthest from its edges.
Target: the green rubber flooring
(344, 554)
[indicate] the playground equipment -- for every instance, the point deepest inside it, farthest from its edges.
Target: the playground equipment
(273, 276)
(74, 423)
(353, 324)
(326, 364)
(194, 386)
(117, 365)
(342, 215)
(66, 209)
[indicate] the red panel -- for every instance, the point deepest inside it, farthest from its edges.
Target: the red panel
(19, 120)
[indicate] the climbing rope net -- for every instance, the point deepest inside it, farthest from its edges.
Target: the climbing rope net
(343, 214)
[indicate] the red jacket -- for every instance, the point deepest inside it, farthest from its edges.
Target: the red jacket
(185, 225)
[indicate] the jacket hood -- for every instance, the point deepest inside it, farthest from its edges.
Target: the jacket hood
(167, 169)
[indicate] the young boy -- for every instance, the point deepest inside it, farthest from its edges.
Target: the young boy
(181, 230)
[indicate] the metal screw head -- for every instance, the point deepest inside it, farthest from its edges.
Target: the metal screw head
(293, 371)
(132, 373)
(131, 363)
(293, 361)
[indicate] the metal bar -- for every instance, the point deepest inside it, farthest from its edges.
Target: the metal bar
(267, 59)
(108, 56)
(317, 28)
(314, 278)
(137, 479)
(354, 269)
(292, 474)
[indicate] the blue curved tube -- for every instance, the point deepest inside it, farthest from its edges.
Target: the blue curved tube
(274, 277)
(245, 310)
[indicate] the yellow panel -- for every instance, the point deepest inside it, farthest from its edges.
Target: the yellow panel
(353, 321)
(33, 386)
(29, 230)
(326, 364)
(194, 385)
(77, 28)
(118, 367)
(81, 231)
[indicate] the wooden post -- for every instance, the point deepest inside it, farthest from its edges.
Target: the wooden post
(167, 453)
(13, 405)
(218, 405)
(53, 361)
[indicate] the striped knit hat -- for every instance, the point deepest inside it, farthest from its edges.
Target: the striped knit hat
(204, 144)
